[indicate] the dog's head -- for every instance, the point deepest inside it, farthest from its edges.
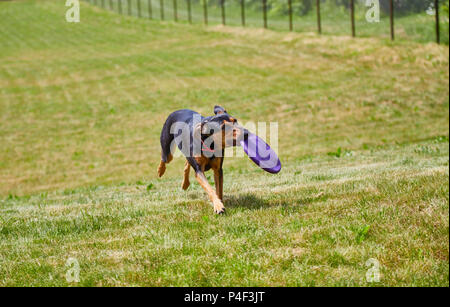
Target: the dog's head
(222, 127)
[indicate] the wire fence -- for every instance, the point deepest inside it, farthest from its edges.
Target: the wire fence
(427, 21)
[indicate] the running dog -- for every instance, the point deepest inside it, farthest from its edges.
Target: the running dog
(202, 140)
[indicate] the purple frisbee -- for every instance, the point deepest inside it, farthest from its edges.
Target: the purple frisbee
(261, 153)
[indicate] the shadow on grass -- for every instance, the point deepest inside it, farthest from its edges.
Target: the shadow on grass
(253, 202)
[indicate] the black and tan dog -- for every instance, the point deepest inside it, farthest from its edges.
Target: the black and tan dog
(202, 140)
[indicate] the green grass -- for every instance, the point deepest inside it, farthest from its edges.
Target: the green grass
(363, 139)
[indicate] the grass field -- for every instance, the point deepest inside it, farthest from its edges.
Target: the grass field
(363, 139)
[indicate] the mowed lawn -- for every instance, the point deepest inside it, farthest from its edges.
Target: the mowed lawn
(363, 140)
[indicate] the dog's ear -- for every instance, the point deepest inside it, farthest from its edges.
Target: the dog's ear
(219, 110)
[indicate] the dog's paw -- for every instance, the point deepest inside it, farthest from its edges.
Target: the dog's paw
(218, 207)
(219, 210)
(185, 185)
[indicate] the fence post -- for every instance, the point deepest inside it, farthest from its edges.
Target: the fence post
(319, 25)
(290, 14)
(175, 10)
(139, 8)
(150, 9)
(161, 8)
(243, 12)
(222, 6)
(265, 13)
(189, 11)
(438, 30)
(352, 16)
(120, 6)
(391, 16)
(205, 12)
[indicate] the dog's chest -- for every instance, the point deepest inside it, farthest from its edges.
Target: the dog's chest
(206, 163)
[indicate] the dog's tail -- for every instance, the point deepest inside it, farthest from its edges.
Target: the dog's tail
(166, 142)
(166, 146)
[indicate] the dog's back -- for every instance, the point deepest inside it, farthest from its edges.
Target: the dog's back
(180, 116)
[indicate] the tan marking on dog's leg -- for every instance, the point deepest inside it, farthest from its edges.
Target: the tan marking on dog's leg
(216, 166)
(186, 183)
(218, 180)
(217, 203)
(221, 185)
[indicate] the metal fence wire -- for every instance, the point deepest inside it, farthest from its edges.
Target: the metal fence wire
(419, 20)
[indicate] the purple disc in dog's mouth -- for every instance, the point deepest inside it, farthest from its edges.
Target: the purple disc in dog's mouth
(261, 153)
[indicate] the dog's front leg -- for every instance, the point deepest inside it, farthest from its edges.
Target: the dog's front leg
(218, 180)
(186, 183)
(217, 203)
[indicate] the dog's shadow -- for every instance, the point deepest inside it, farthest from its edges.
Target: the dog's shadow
(249, 201)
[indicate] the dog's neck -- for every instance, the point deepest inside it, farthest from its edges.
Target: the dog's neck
(206, 148)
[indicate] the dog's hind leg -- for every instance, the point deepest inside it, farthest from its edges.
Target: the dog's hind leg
(186, 183)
